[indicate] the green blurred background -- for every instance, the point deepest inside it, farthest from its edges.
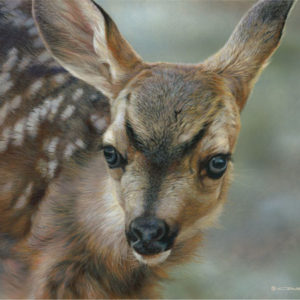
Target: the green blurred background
(256, 249)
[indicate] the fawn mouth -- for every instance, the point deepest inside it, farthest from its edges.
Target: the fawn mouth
(152, 260)
(151, 239)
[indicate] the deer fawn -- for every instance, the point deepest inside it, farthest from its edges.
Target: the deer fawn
(101, 194)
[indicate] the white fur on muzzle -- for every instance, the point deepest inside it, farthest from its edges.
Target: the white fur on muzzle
(152, 260)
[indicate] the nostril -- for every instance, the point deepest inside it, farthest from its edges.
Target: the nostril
(160, 231)
(135, 231)
(158, 234)
(136, 234)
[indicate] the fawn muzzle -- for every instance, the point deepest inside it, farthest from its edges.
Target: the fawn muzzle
(150, 235)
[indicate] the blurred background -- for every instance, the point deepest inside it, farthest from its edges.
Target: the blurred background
(255, 252)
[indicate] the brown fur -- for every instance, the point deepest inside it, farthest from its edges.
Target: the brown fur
(64, 213)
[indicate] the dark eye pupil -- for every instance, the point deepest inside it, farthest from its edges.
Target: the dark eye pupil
(217, 166)
(218, 163)
(111, 155)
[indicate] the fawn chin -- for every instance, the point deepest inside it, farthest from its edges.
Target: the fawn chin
(152, 260)
(110, 166)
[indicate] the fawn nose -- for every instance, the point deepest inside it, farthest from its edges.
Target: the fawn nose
(148, 235)
(148, 229)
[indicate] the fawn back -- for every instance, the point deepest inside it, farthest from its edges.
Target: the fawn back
(46, 116)
(100, 194)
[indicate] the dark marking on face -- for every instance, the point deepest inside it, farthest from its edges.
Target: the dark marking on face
(158, 162)
(156, 174)
(176, 113)
(163, 153)
(134, 139)
(128, 96)
(187, 146)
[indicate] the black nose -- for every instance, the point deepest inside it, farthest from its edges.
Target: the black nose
(148, 229)
(149, 235)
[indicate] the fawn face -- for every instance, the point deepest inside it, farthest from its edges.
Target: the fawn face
(174, 127)
(168, 150)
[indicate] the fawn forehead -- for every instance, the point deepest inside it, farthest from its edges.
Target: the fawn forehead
(170, 107)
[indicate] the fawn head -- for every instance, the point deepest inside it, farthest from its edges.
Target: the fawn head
(174, 127)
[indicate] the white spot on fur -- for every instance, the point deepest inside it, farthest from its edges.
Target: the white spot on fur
(22, 200)
(5, 83)
(44, 56)
(37, 43)
(19, 132)
(48, 108)
(6, 88)
(11, 61)
(94, 97)
(15, 102)
(78, 94)
(45, 108)
(55, 104)
(52, 146)
(67, 113)
(153, 259)
(5, 139)
(61, 78)
(33, 122)
(4, 77)
(69, 150)
(24, 63)
(43, 111)
(36, 86)
(99, 123)
(29, 22)
(33, 31)
(80, 143)
(52, 166)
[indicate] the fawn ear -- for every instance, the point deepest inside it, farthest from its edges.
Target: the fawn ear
(251, 44)
(85, 41)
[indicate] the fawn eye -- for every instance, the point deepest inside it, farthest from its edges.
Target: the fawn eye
(217, 166)
(113, 157)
